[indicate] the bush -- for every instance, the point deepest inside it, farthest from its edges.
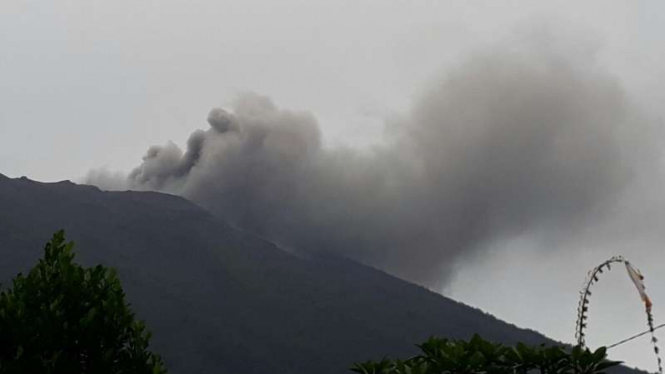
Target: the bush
(64, 318)
(443, 356)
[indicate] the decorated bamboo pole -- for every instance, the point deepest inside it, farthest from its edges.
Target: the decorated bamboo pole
(585, 294)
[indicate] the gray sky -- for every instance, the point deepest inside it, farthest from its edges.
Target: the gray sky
(90, 84)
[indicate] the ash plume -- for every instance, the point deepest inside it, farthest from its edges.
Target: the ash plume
(513, 140)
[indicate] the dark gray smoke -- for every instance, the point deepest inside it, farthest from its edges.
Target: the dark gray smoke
(511, 141)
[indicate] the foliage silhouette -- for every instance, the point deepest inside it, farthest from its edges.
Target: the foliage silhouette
(64, 318)
(443, 356)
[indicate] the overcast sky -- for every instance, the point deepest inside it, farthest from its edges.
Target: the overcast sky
(91, 84)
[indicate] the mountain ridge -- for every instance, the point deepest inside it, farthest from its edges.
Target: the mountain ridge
(221, 300)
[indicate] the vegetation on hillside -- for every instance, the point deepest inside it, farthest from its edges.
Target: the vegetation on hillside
(219, 299)
(444, 356)
(64, 318)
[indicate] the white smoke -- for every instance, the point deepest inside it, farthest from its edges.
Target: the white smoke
(514, 139)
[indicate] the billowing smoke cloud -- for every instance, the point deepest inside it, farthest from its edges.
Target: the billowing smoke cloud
(514, 140)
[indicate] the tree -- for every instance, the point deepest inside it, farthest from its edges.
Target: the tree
(64, 318)
(442, 356)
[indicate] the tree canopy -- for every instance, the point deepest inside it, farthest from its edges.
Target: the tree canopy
(444, 356)
(65, 318)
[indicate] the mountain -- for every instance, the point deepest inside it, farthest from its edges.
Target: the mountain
(219, 300)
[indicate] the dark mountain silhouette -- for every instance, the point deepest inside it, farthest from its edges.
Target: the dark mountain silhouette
(222, 301)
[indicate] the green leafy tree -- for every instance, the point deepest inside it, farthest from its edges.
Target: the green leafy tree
(443, 356)
(64, 318)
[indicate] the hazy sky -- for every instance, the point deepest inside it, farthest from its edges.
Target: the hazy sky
(90, 84)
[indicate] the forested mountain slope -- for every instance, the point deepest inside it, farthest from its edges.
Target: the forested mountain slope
(222, 301)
